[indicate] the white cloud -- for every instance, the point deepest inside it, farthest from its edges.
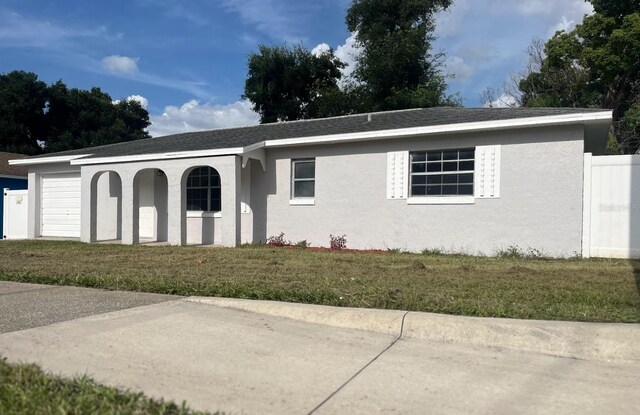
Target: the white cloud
(566, 13)
(17, 30)
(274, 18)
(139, 98)
(193, 116)
(120, 64)
(503, 101)
(456, 66)
(451, 21)
(142, 100)
(320, 49)
(566, 8)
(347, 53)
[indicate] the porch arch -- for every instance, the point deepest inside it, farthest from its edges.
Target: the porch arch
(150, 189)
(106, 206)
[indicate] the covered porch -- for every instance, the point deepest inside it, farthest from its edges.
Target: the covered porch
(193, 201)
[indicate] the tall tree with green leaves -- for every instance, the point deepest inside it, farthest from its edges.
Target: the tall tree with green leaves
(595, 65)
(397, 68)
(39, 118)
(22, 112)
(85, 118)
(291, 83)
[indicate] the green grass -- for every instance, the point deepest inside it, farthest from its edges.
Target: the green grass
(517, 287)
(26, 389)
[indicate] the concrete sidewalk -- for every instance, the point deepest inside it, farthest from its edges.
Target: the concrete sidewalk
(24, 306)
(221, 357)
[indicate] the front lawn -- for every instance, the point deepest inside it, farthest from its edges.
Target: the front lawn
(26, 389)
(569, 289)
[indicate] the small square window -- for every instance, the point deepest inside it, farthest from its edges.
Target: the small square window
(303, 178)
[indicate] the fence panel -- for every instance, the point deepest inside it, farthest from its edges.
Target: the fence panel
(612, 206)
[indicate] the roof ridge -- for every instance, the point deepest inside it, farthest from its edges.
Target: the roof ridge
(360, 114)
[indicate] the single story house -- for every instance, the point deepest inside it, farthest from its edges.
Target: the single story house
(11, 177)
(465, 179)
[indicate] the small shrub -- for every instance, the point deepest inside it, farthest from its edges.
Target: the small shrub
(515, 252)
(534, 253)
(432, 251)
(512, 251)
(278, 240)
(337, 242)
(302, 244)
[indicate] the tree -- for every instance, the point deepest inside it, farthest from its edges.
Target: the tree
(291, 83)
(80, 118)
(595, 65)
(397, 69)
(22, 119)
(36, 118)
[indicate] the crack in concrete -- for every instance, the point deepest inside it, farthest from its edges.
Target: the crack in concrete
(335, 392)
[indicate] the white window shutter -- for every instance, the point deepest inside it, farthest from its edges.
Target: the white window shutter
(487, 172)
(397, 175)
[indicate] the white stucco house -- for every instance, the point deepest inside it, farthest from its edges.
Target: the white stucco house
(466, 179)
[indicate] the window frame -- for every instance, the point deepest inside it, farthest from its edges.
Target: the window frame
(211, 173)
(465, 198)
(302, 200)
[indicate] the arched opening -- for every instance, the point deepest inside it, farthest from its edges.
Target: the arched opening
(107, 205)
(152, 197)
(203, 205)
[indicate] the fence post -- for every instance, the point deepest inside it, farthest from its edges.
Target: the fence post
(586, 207)
(5, 204)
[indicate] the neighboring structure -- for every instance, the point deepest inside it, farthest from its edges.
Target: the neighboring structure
(472, 180)
(11, 177)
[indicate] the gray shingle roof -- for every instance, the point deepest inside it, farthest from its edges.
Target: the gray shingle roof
(6, 169)
(244, 136)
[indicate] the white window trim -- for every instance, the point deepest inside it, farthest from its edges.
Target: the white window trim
(201, 214)
(441, 200)
(437, 199)
(302, 201)
(308, 201)
(208, 188)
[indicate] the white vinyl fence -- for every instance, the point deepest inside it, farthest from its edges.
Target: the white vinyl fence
(611, 206)
(15, 215)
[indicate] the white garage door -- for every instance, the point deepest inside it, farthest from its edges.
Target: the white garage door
(61, 205)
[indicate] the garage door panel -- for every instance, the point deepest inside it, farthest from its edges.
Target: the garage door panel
(60, 205)
(64, 193)
(65, 204)
(64, 221)
(62, 211)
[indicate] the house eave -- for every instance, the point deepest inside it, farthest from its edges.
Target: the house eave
(581, 118)
(160, 156)
(45, 160)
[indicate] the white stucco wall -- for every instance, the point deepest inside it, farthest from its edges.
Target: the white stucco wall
(108, 206)
(540, 204)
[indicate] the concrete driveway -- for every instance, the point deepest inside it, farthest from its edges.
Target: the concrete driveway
(238, 361)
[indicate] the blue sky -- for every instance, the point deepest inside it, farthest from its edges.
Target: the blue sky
(186, 59)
